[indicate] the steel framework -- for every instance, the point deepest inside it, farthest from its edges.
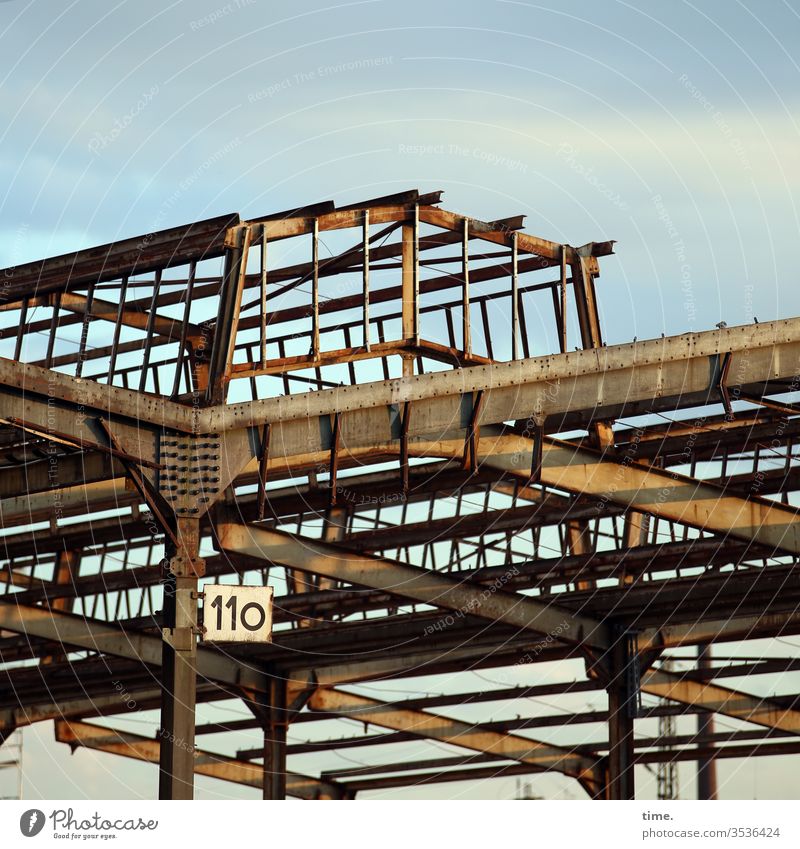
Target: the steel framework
(407, 421)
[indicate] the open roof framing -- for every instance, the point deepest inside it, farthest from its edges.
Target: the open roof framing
(408, 422)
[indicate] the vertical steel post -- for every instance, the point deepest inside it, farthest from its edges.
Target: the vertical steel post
(622, 703)
(179, 663)
(563, 299)
(315, 290)
(180, 357)
(65, 571)
(263, 294)
(514, 298)
(275, 726)
(415, 269)
(466, 332)
(706, 767)
(583, 271)
(365, 278)
(230, 302)
(410, 291)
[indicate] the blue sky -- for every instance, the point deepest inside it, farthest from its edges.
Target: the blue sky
(670, 127)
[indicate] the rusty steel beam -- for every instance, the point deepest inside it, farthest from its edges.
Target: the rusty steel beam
(525, 242)
(137, 255)
(722, 700)
(115, 703)
(647, 489)
(733, 628)
(596, 750)
(653, 491)
(210, 764)
(682, 368)
(80, 632)
(677, 555)
(605, 382)
(672, 496)
(418, 661)
(39, 475)
(411, 582)
(28, 388)
(459, 416)
(436, 727)
(501, 770)
(587, 749)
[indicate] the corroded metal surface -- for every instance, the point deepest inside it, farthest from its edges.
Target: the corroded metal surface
(380, 411)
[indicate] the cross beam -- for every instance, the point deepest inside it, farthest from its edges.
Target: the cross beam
(604, 383)
(435, 727)
(723, 700)
(653, 491)
(89, 736)
(81, 632)
(411, 582)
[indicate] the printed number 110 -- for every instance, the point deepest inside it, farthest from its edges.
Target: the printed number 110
(249, 611)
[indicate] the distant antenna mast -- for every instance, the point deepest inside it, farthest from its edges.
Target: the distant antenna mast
(667, 775)
(525, 791)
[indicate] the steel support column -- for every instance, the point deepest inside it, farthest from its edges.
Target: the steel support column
(706, 767)
(230, 302)
(622, 688)
(275, 728)
(179, 665)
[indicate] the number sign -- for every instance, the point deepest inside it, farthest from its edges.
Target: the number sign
(234, 614)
